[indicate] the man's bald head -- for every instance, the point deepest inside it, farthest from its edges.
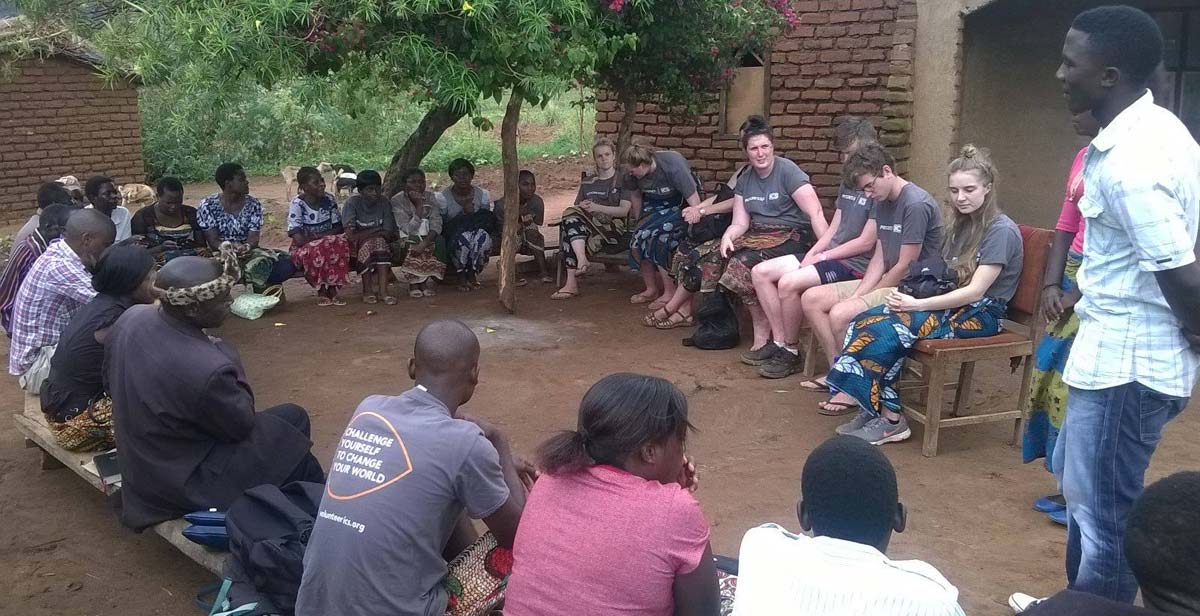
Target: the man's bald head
(446, 346)
(446, 362)
(183, 272)
(89, 221)
(89, 233)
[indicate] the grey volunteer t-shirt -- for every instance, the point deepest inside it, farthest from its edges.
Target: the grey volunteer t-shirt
(670, 179)
(856, 209)
(913, 218)
(769, 200)
(598, 191)
(403, 474)
(1001, 245)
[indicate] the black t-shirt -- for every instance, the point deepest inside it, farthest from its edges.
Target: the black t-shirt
(75, 370)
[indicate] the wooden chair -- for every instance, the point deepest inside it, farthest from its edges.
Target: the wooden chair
(1016, 342)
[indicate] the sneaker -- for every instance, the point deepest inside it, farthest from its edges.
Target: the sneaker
(783, 363)
(760, 356)
(857, 423)
(1019, 602)
(879, 431)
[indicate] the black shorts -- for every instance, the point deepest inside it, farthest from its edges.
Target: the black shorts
(836, 271)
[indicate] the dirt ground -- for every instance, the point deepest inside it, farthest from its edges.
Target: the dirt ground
(969, 508)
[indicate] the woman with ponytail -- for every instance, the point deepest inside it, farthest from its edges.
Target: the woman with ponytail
(611, 525)
(983, 254)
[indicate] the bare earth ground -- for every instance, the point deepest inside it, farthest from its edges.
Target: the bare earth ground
(969, 508)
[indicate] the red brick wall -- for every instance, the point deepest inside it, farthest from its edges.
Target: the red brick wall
(848, 57)
(58, 118)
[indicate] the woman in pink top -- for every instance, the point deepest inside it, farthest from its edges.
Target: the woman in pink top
(611, 526)
(1048, 397)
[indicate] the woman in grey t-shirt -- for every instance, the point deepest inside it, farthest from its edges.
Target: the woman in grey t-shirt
(984, 252)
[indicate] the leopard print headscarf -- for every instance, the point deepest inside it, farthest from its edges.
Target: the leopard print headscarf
(203, 292)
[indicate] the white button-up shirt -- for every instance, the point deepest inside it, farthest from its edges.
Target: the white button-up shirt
(1141, 198)
(797, 575)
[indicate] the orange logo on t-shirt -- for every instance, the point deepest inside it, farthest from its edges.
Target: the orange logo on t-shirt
(358, 457)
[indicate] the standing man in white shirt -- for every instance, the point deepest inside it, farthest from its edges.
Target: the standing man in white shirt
(102, 194)
(850, 503)
(1132, 368)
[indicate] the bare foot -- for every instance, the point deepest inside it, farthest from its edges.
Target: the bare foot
(644, 297)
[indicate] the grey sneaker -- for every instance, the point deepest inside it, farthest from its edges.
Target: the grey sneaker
(879, 431)
(783, 363)
(857, 423)
(760, 356)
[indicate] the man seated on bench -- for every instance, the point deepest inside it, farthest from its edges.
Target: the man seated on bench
(850, 503)
(409, 474)
(187, 433)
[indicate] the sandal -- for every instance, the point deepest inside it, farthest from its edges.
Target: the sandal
(671, 323)
(829, 408)
(324, 301)
(522, 282)
(641, 299)
(415, 293)
(651, 319)
(389, 300)
(547, 280)
(564, 294)
(816, 385)
(429, 292)
(337, 301)
(370, 299)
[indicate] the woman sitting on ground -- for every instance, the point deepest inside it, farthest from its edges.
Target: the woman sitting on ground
(983, 253)
(234, 216)
(611, 524)
(319, 245)
(658, 184)
(169, 228)
(370, 229)
(421, 251)
(469, 224)
(73, 398)
(595, 224)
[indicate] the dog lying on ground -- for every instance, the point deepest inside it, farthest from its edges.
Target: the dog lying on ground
(136, 195)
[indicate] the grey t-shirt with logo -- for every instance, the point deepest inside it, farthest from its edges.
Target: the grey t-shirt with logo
(769, 200)
(403, 474)
(1001, 245)
(856, 209)
(912, 218)
(599, 191)
(670, 179)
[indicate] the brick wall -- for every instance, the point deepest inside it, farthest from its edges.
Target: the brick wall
(846, 57)
(58, 118)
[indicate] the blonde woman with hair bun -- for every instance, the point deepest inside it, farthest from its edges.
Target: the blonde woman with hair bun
(983, 254)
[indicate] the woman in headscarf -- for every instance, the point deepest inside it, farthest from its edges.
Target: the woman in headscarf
(421, 251)
(319, 245)
(370, 229)
(73, 398)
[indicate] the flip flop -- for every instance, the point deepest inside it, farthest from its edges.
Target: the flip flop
(564, 295)
(815, 385)
(547, 280)
(641, 299)
(671, 323)
(465, 287)
(389, 300)
(324, 301)
(428, 292)
(830, 408)
(416, 294)
(657, 304)
(337, 301)
(370, 299)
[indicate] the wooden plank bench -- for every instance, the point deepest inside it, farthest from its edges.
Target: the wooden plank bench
(37, 434)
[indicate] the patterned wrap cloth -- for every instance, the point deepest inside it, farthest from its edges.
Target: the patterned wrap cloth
(1048, 396)
(658, 233)
(325, 261)
(602, 234)
(878, 342)
(90, 430)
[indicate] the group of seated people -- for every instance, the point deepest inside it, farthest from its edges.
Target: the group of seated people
(764, 241)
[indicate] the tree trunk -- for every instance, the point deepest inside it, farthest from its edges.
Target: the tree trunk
(625, 133)
(512, 201)
(436, 121)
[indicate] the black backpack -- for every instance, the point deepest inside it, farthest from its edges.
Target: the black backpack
(717, 325)
(268, 532)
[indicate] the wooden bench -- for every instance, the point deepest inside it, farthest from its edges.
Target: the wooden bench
(32, 425)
